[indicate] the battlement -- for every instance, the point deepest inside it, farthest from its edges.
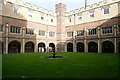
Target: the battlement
(31, 6)
(93, 6)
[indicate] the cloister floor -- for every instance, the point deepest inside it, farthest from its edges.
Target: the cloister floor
(75, 65)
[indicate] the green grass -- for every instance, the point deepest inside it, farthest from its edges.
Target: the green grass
(76, 65)
(0, 66)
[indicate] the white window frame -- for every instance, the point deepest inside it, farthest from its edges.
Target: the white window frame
(79, 18)
(15, 30)
(53, 34)
(29, 31)
(92, 14)
(91, 32)
(71, 34)
(0, 7)
(16, 10)
(106, 33)
(42, 33)
(81, 32)
(104, 10)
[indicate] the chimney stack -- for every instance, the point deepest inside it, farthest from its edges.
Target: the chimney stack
(85, 4)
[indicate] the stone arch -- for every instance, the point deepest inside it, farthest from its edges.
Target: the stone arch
(70, 47)
(52, 45)
(1, 47)
(107, 47)
(29, 47)
(80, 47)
(41, 47)
(14, 47)
(93, 47)
(119, 47)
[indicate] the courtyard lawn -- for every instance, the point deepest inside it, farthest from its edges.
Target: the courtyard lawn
(75, 65)
(0, 66)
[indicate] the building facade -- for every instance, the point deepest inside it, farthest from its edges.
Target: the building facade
(26, 28)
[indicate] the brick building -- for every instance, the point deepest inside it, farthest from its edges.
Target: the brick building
(26, 28)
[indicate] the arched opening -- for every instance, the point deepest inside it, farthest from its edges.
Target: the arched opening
(1, 47)
(93, 47)
(69, 47)
(52, 45)
(14, 47)
(107, 47)
(41, 47)
(29, 47)
(119, 47)
(80, 47)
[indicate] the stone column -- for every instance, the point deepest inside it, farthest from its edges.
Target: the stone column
(99, 47)
(99, 43)
(6, 40)
(85, 41)
(115, 39)
(36, 47)
(6, 46)
(74, 36)
(47, 34)
(47, 47)
(23, 41)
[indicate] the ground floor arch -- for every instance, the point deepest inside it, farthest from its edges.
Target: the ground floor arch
(41, 47)
(14, 47)
(119, 47)
(29, 47)
(1, 47)
(70, 47)
(107, 47)
(80, 47)
(93, 47)
(52, 45)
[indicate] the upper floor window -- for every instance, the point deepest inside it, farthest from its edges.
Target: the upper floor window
(79, 18)
(14, 29)
(30, 13)
(41, 33)
(69, 34)
(80, 33)
(106, 30)
(16, 10)
(30, 31)
(106, 11)
(92, 14)
(1, 28)
(92, 32)
(51, 20)
(51, 34)
(42, 18)
(0, 6)
(70, 20)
